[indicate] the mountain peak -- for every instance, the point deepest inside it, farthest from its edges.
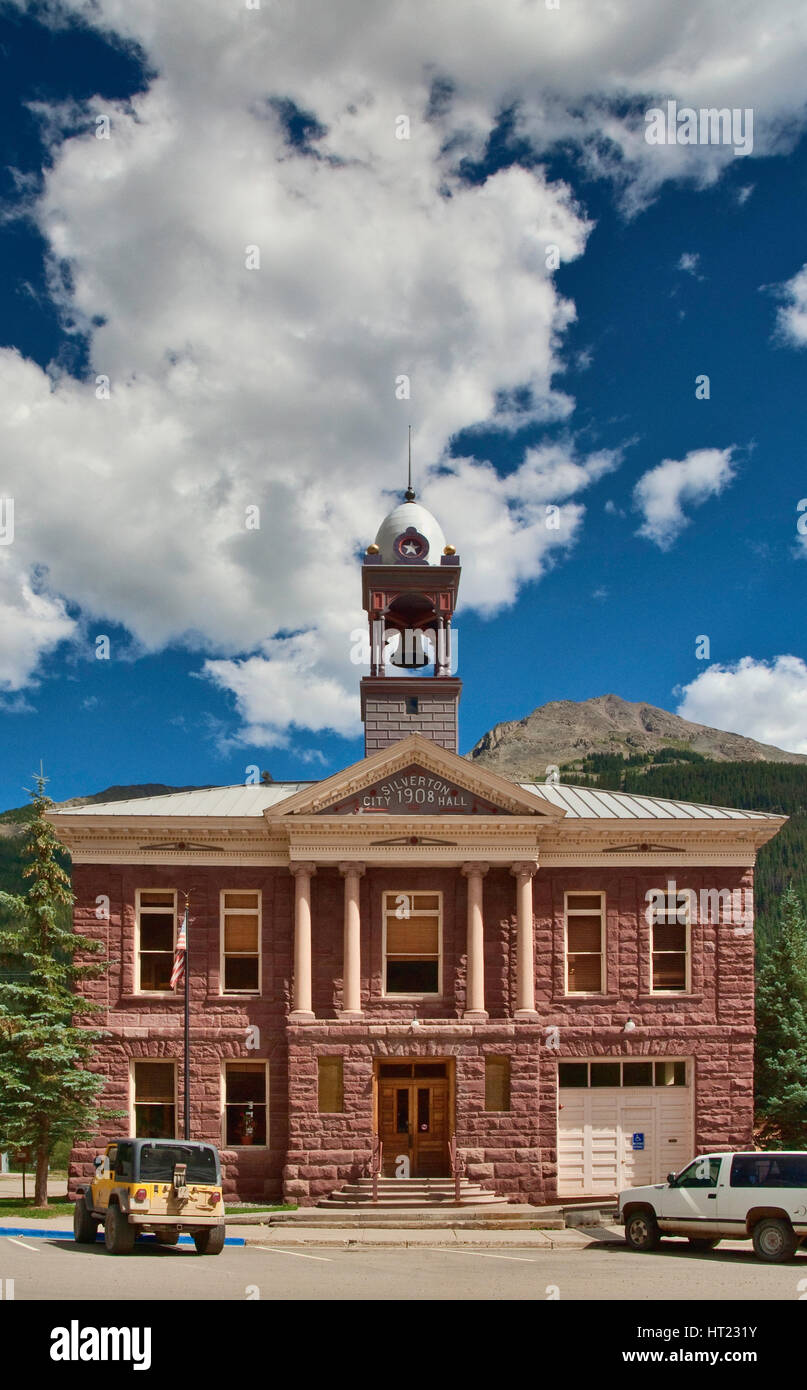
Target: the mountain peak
(566, 731)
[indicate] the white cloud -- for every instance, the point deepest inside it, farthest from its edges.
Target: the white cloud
(764, 701)
(276, 387)
(689, 261)
(792, 316)
(32, 623)
(660, 494)
(269, 688)
(509, 530)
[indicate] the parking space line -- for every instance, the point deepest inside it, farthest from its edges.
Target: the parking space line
(482, 1254)
(22, 1242)
(274, 1250)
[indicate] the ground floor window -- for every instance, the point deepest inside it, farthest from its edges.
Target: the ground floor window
(154, 1100)
(244, 1104)
(330, 1086)
(497, 1083)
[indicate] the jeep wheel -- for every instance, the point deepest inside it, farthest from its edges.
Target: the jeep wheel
(119, 1236)
(704, 1242)
(641, 1231)
(209, 1241)
(167, 1237)
(85, 1227)
(774, 1240)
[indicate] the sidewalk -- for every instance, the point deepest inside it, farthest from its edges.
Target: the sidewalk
(11, 1185)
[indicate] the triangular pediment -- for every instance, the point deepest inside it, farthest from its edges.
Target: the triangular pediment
(414, 777)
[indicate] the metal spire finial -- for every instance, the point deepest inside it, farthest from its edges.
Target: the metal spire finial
(410, 491)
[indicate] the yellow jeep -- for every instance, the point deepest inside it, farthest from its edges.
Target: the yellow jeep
(165, 1186)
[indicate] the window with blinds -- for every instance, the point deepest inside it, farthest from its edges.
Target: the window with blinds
(244, 1104)
(154, 1100)
(330, 1086)
(240, 942)
(497, 1083)
(585, 931)
(412, 943)
(670, 937)
(156, 936)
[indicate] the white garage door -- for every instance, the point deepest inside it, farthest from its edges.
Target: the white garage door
(610, 1137)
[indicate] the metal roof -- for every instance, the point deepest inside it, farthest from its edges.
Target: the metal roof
(589, 803)
(579, 803)
(239, 800)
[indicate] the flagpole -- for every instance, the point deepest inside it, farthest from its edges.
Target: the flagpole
(187, 1116)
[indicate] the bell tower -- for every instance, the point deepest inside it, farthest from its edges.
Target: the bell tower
(410, 579)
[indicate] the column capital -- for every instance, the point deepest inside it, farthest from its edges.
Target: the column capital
(472, 867)
(302, 868)
(526, 868)
(351, 866)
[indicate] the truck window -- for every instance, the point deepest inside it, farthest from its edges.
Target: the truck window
(702, 1172)
(157, 1163)
(769, 1170)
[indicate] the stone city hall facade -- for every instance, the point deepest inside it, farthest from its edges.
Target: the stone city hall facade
(419, 959)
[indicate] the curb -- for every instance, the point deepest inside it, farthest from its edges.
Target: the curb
(50, 1234)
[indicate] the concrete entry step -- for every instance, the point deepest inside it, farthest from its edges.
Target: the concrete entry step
(400, 1193)
(505, 1217)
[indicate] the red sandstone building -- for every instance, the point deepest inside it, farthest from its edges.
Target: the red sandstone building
(418, 951)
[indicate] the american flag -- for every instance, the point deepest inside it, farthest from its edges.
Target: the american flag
(178, 972)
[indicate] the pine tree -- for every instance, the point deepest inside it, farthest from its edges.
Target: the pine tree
(46, 1091)
(781, 1049)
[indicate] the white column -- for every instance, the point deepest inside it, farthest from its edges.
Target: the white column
(301, 988)
(351, 974)
(475, 987)
(525, 947)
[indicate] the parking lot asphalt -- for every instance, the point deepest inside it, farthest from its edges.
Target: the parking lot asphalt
(48, 1267)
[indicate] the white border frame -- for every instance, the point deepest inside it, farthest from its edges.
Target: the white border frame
(582, 912)
(240, 993)
(153, 993)
(410, 892)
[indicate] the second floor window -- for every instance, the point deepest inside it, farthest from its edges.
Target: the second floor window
(412, 934)
(156, 922)
(669, 928)
(241, 942)
(585, 923)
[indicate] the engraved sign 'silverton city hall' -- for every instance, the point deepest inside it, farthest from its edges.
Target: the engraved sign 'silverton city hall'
(419, 963)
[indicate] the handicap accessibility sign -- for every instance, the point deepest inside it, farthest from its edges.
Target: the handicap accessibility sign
(638, 1141)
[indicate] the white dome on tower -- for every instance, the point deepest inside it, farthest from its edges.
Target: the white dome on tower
(410, 535)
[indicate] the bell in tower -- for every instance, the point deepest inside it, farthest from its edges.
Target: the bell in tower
(410, 579)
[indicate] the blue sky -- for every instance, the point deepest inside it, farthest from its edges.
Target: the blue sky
(125, 258)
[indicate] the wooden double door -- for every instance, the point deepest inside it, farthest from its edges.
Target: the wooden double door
(414, 1118)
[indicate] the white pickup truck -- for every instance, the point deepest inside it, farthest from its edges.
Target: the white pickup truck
(740, 1196)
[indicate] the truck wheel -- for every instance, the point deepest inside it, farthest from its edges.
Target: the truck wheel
(774, 1240)
(119, 1236)
(704, 1242)
(85, 1227)
(167, 1237)
(641, 1231)
(209, 1241)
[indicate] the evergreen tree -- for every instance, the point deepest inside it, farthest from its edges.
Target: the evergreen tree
(781, 1050)
(46, 1092)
